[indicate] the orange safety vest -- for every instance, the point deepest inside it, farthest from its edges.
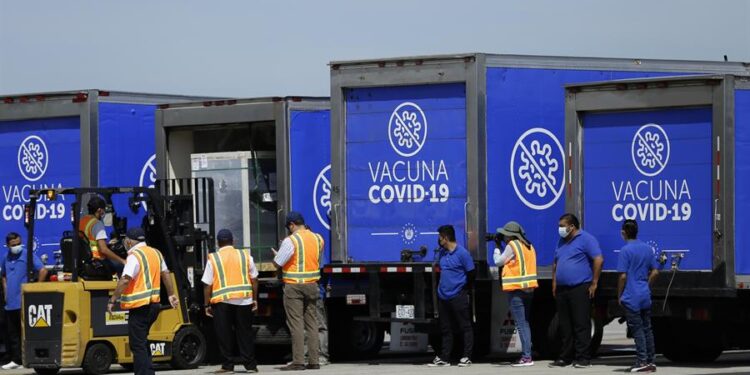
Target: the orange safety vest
(146, 286)
(304, 265)
(231, 275)
(86, 225)
(520, 273)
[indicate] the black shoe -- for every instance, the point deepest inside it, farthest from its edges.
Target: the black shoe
(582, 364)
(251, 369)
(313, 366)
(560, 363)
(292, 367)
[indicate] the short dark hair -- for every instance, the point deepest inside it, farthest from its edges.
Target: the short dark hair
(95, 203)
(630, 227)
(11, 236)
(223, 243)
(448, 232)
(571, 219)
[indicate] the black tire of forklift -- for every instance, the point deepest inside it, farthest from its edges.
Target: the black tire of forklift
(98, 359)
(46, 371)
(188, 348)
(551, 348)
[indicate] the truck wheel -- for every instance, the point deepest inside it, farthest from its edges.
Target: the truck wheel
(678, 344)
(188, 348)
(553, 345)
(98, 359)
(46, 371)
(366, 339)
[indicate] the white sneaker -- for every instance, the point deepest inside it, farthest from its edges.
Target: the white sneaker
(464, 362)
(11, 366)
(437, 362)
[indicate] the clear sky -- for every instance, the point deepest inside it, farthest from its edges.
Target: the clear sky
(261, 48)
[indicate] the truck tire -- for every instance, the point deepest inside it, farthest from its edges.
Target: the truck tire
(366, 339)
(551, 348)
(188, 348)
(678, 344)
(98, 359)
(46, 371)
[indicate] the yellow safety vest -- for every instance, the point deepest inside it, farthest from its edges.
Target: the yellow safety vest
(304, 265)
(231, 275)
(520, 273)
(86, 225)
(146, 286)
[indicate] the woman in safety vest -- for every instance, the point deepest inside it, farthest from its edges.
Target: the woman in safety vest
(518, 261)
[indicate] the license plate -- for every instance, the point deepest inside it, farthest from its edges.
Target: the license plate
(404, 311)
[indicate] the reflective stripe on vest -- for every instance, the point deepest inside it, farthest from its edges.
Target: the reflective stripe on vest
(146, 286)
(304, 265)
(520, 273)
(87, 226)
(231, 275)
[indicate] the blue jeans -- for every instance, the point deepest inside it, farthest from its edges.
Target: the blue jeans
(520, 307)
(639, 323)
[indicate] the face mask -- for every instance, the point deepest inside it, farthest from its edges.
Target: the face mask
(107, 220)
(15, 250)
(563, 231)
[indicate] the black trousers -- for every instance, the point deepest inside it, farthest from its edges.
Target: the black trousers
(574, 314)
(139, 323)
(455, 318)
(13, 342)
(235, 323)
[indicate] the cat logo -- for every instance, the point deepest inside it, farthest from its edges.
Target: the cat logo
(40, 316)
(157, 348)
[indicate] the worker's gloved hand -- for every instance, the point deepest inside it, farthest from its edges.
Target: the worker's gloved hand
(254, 305)
(174, 301)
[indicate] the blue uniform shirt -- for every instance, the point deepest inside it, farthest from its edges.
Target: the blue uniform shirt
(453, 268)
(636, 260)
(13, 268)
(574, 259)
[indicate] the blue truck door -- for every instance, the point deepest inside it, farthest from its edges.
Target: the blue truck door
(405, 168)
(126, 151)
(39, 153)
(655, 167)
(310, 171)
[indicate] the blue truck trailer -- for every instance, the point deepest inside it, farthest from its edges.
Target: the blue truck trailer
(83, 138)
(472, 140)
(88, 138)
(266, 157)
(672, 154)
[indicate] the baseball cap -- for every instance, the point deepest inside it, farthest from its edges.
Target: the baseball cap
(136, 233)
(294, 217)
(224, 235)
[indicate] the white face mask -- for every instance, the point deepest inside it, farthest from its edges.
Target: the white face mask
(563, 231)
(107, 220)
(15, 250)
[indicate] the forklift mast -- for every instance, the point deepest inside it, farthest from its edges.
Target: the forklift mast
(178, 222)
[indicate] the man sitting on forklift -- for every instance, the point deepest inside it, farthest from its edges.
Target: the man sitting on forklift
(92, 227)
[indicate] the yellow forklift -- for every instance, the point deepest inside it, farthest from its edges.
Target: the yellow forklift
(65, 319)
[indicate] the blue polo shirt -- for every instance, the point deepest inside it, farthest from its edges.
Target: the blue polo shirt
(636, 261)
(13, 269)
(453, 268)
(574, 259)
